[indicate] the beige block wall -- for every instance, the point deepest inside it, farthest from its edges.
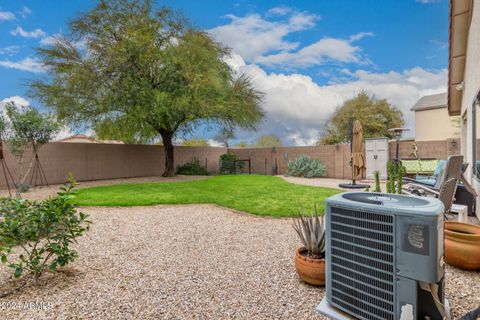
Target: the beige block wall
(435, 124)
(92, 161)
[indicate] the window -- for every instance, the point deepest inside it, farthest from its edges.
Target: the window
(475, 134)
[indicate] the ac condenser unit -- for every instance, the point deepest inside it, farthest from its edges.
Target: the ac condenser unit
(384, 257)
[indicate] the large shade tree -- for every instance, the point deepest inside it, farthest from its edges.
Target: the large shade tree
(141, 74)
(375, 115)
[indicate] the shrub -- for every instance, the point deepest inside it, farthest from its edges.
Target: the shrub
(193, 168)
(304, 166)
(311, 231)
(40, 232)
(227, 161)
(377, 181)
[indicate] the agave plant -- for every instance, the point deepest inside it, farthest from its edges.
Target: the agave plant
(304, 166)
(311, 231)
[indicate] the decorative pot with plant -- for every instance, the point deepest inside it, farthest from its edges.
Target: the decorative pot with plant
(310, 259)
(462, 245)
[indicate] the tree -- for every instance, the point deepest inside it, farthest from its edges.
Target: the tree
(376, 116)
(195, 143)
(268, 141)
(27, 129)
(144, 73)
(225, 134)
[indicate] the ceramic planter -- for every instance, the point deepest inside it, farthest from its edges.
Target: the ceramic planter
(462, 245)
(310, 270)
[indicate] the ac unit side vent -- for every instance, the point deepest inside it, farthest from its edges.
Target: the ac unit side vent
(362, 256)
(371, 270)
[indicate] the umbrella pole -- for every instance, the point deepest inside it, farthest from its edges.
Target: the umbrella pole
(353, 172)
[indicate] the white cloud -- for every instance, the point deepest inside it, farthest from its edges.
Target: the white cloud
(279, 11)
(64, 132)
(215, 143)
(25, 12)
(262, 41)
(360, 35)
(49, 40)
(17, 100)
(6, 15)
(9, 50)
(297, 108)
(19, 31)
(252, 36)
(322, 51)
(27, 64)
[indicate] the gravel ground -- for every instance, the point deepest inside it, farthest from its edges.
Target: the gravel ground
(186, 262)
(176, 262)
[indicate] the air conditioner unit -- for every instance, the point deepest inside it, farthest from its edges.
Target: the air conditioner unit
(384, 257)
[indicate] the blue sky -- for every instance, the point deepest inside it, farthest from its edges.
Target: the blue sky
(307, 56)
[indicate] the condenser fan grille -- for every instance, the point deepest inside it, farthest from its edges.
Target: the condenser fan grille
(362, 263)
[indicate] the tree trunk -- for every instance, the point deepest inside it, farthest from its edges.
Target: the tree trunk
(169, 155)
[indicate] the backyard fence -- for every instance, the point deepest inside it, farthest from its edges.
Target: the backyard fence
(94, 161)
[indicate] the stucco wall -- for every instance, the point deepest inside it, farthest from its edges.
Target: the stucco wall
(471, 87)
(435, 124)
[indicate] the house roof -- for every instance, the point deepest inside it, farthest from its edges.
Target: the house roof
(460, 17)
(434, 101)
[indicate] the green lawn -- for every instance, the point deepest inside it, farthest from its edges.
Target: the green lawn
(260, 195)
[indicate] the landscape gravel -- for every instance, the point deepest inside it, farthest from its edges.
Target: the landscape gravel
(186, 262)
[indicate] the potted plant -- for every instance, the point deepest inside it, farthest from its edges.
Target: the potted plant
(310, 258)
(462, 245)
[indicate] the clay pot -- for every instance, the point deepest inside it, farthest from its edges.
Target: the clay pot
(311, 270)
(462, 245)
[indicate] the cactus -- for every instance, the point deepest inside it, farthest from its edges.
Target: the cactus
(377, 182)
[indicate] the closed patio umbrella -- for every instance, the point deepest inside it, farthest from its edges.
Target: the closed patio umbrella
(358, 159)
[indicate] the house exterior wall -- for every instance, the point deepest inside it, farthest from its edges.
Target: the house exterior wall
(444, 127)
(471, 87)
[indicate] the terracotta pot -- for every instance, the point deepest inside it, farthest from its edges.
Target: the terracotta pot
(311, 270)
(462, 245)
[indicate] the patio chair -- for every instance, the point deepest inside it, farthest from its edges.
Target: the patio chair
(446, 183)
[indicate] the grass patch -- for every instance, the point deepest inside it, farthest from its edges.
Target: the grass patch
(259, 195)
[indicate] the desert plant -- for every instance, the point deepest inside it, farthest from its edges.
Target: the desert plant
(25, 129)
(391, 177)
(377, 181)
(228, 164)
(304, 166)
(311, 231)
(40, 233)
(400, 174)
(193, 168)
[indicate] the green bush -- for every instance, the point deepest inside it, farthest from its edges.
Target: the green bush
(377, 181)
(304, 166)
(193, 168)
(40, 233)
(227, 163)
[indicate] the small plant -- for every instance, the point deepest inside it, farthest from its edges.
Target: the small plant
(304, 166)
(395, 177)
(377, 181)
(228, 163)
(40, 233)
(400, 174)
(193, 168)
(391, 177)
(311, 231)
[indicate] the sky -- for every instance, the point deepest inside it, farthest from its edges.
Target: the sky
(307, 57)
